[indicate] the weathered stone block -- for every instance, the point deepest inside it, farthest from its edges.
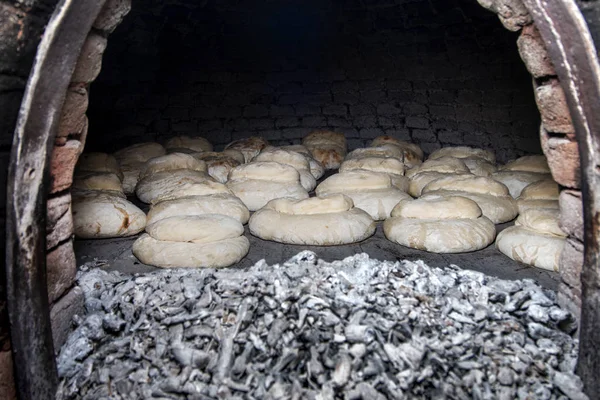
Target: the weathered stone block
(73, 117)
(552, 103)
(59, 220)
(61, 269)
(89, 63)
(112, 14)
(571, 213)
(533, 52)
(62, 313)
(512, 13)
(417, 122)
(7, 387)
(571, 262)
(570, 299)
(563, 159)
(370, 133)
(62, 165)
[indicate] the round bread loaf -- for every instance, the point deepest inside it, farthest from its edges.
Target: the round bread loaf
(536, 239)
(479, 166)
(166, 254)
(97, 181)
(440, 225)
(296, 160)
(101, 215)
(168, 185)
(98, 163)
(412, 153)
(317, 221)
(140, 152)
(542, 220)
(221, 203)
(419, 181)
(172, 162)
(541, 194)
(382, 151)
(491, 196)
(258, 183)
(537, 163)
(132, 159)
(219, 165)
(180, 150)
(249, 147)
(372, 192)
(327, 147)
(391, 166)
(316, 168)
(463, 152)
(195, 228)
(186, 142)
(444, 165)
(516, 181)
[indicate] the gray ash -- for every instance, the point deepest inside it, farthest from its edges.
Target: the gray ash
(308, 329)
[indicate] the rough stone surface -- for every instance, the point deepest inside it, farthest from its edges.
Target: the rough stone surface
(533, 52)
(60, 270)
(62, 313)
(59, 220)
(571, 263)
(553, 107)
(62, 165)
(7, 388)
(73, 117)
(112, 14)
(571, 213)
(562, 153)
(89, 63)
(512, 13)
(570, 299)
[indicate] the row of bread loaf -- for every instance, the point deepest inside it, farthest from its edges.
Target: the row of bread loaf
(372, 178)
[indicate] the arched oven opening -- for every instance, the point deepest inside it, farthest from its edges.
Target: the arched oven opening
(434, 73)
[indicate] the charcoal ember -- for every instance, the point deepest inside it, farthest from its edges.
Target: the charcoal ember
(355, 328)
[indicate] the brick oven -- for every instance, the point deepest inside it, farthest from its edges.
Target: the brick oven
(495, 74)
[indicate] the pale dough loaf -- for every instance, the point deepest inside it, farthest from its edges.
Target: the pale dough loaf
(172, 162)
(316, 168)
(258, 183)
(168, 185)
(140, 152)
(132, 159)
(221, 203)
(413, 155)
(516, 181)
(479, 166)
(444, 165)
(165, 254)
(195, 228)
(492, 197)
(541, 194)
(219, 164)
(327, 147)
(97, 181)
(327, 221)
(98, 162)
(463, 152)
(531, 247)
(186, 142)
(537, 163)
(296, 160)
(372, 192)
(100, 215)
(249, 147)
(440, 225)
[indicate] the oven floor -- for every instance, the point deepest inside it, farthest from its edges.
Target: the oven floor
(118, 256)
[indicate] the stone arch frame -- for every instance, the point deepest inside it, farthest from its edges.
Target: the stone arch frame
(572, 135)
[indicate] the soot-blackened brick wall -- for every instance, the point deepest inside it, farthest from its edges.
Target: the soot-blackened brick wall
(438, 72)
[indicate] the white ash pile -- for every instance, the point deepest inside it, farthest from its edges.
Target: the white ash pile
(308, 329)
